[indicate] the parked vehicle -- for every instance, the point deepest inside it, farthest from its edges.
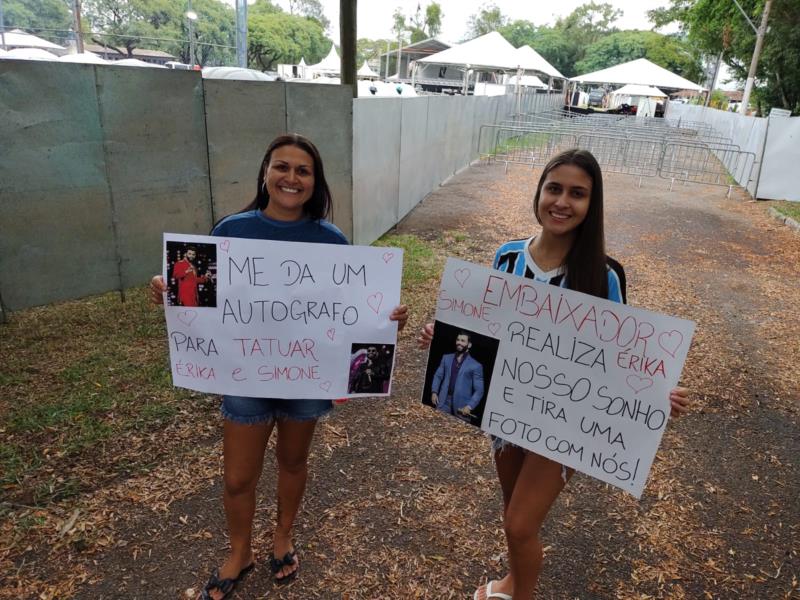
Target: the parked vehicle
(596, 97)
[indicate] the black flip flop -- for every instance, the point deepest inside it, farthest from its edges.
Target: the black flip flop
(225, 586)
(276, 564)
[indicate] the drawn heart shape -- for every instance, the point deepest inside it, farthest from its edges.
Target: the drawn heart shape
(461, 276)
(325, 386)
(374, 301)
(494, 328)
(186, 317)
(670, 341)
(637, 384)
(388, 256)
(224, 245)
(331, 333)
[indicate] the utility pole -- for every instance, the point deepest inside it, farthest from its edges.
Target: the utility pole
(191, 16)
(347, 42)
(760, 33)
(713, 80)
(76, 19)
(241, 33)
(2, 28)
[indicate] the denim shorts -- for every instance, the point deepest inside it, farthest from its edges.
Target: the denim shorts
(249, 411)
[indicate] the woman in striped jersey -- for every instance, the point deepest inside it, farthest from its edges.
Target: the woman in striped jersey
(569, 252)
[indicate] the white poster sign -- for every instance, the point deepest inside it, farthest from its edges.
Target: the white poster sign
(280, 319)
(581, 380)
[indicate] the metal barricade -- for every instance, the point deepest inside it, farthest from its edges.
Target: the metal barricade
(644, 147)
(707, 163)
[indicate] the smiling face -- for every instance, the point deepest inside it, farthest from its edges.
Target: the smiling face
(462, 343)
(290, 182)
(564, 199)
(190, 255)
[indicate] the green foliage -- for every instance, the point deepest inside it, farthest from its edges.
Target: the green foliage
(489, 18)
(669, 52)
(566, 43)
(370, 50)
(124, 25)
(718, 100)
(420, 26)
(283, 38)
(311, 9)
(35, 16)
(717, 25)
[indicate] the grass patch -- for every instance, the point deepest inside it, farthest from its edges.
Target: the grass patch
(420, 260)
(789, 209)
(76, 377)
(528, 141)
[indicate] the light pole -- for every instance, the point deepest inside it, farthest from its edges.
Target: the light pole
(241, 33)
(191, 16)
(2, 28)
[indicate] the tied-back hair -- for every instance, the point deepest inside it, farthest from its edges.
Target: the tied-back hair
(320, 204)
(586, 262)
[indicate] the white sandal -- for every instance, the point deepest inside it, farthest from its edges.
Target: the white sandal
(490, 594)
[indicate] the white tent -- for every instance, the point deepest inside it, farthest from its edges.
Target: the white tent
(30, 54)
(329, 64)
(527, 81)
(16, 38)
(365, 71)
(531, 60)
(135, 62)
(235, 73)
(83, 57)
(641, 72)
(491, 51)
(639, 90)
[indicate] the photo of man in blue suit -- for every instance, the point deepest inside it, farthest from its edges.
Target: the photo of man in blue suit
(457, 386)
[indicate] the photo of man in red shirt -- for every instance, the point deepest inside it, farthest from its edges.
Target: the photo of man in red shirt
(184, 272)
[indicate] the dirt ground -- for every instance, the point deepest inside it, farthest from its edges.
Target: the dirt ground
(403, 502)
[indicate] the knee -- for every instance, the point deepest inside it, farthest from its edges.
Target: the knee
(520, 530)
(236, 485)
(296, 465)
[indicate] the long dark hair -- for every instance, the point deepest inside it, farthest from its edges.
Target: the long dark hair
(586, 260)
(320, 204)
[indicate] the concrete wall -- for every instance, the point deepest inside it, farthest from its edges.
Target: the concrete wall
(96, 162)
(779, 179)
(432, 138)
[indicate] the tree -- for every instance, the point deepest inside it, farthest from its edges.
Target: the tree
(583, 27)
(716, 26)
(519, 33)
(311, 9)
(556, 48)
(489, 18)
(124, 25)
(667, 51)
(427, 26)
(281, 37)
(41, 17)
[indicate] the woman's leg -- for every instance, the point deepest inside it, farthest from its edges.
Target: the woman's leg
(508, 462)
(243, 451)
(538, 485)
(292, 448)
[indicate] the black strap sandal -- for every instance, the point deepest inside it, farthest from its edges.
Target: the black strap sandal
(225, 586)
(276, 564)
